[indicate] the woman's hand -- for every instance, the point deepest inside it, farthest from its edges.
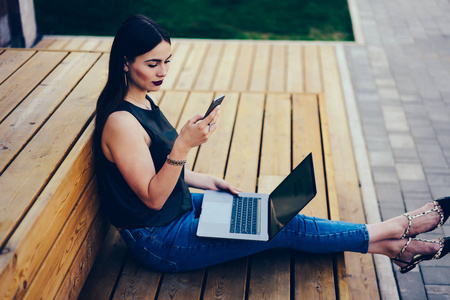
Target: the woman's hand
(205, 182)
(198, 130)
(222, 185)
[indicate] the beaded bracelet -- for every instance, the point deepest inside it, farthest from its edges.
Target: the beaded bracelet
(173, 162)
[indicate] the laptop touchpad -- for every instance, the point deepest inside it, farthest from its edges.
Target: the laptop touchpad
(216, 212)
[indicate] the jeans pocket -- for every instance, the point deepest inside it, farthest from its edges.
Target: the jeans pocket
(153, 261)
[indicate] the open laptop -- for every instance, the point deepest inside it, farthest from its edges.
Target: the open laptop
(255, 216)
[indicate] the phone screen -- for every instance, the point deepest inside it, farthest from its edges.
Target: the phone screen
(214, 104)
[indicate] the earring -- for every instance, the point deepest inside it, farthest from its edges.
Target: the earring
(125, 76)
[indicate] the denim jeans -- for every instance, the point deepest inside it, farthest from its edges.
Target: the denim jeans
(176, 247)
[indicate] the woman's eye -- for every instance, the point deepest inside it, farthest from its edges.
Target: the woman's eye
(167, 61)
(152, 66)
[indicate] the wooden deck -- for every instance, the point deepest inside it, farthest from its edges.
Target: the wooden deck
(284, 100)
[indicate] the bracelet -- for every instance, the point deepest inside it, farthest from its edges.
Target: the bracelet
(173, 162)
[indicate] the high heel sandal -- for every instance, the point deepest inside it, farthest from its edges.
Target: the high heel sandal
(444, 212)
(444, 248)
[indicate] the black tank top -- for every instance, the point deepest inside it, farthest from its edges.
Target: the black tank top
(123, 206)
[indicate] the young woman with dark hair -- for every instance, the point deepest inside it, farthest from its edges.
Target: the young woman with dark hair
(143, 184)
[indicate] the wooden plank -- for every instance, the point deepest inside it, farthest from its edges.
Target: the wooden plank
(180, 53)
(29, 116)
(261, 67)
(313, 79)
(172, 105)
(278, 69)
(359, 268)
(82, 264)
(314, 277)
(75, 43)
(59, 43)
(295, 75)
(212, 156)
(227, 280)
(270, 274)
(333, 203)
(23, 254)
(91, 44)
(276, 145)
(11, 60)
(186, 285)
(225, 70)
(44, 43)
(191, 67)
(30, 171)
(208, 70)
(181, 285)
(244, 153)
(24, 80)
(241, 171)
(105, 45)
(106, 269)
(244, 64)
(137, 282)
(59, 259)
(197, 103)
(306, 139)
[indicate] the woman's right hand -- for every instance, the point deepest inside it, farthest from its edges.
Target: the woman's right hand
(198, 130)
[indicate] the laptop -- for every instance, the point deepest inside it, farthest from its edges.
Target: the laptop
(256, 216)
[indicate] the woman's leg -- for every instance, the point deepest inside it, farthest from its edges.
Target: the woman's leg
(177, 248)
(395, 227)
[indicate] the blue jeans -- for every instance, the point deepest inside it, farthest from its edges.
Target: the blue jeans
(177, 248)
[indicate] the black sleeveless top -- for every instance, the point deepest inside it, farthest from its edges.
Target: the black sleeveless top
(123, 206)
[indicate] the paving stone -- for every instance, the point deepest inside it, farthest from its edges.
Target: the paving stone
(389, 193)
(385, 83)
(401, 141)
(411, 285)
(381, 158)
(439, 191)
(395, 119)
(374, 128)
(435, 275)
(420, 132)
(391, 210)
(388, 93)
(384, 175)
(410, 172)
(405, 156)
(374, 143)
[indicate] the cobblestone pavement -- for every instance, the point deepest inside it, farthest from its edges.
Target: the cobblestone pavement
(401, 82)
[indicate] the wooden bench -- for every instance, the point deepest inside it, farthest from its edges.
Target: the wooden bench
(283, 101)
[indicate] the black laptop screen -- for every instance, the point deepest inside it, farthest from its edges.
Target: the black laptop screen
(291, 195)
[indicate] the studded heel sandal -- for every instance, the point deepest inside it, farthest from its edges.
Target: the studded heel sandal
(444, 249)
(444, 212)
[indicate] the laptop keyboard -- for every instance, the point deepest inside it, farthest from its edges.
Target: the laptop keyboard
(245, 215)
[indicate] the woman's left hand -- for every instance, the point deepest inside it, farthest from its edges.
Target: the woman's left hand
(222, 185)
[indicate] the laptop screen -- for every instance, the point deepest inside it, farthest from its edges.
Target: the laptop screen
(291, 195)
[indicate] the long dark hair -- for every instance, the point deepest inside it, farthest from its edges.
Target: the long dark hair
(136, 36)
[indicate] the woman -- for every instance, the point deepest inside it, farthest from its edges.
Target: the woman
(144, 186)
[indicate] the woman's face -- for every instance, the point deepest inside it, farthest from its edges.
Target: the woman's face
(148, 70)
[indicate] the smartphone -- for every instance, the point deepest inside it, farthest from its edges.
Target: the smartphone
(213, 105)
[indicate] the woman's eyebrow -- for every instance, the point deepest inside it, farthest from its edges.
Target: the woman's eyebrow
(158, 60)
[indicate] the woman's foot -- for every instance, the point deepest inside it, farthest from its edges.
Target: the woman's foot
(414, 250)
(427, 218)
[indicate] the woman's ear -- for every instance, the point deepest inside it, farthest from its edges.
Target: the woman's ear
(125, 64)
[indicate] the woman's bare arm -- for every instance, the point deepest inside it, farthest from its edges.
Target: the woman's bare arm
(125, 143)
